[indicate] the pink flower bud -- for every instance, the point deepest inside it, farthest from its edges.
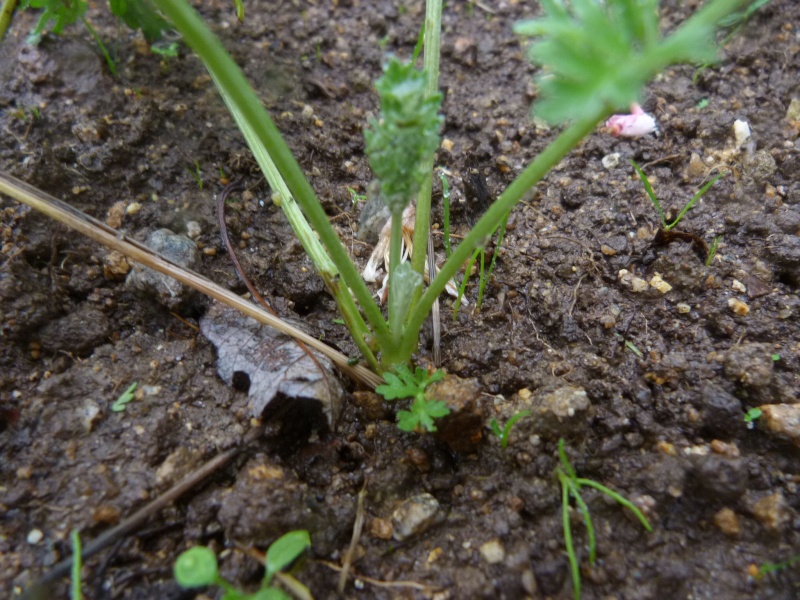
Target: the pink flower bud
(636, 124)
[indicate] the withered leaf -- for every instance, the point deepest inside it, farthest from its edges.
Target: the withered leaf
(274, 363)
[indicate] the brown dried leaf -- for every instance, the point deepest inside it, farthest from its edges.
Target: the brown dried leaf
(274, 363)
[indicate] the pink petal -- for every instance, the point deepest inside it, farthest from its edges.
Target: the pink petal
(636, 124)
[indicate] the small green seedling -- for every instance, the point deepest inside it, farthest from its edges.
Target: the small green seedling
(196, 173)
(75, 584)
(649, 189)
(121, 402)
(751, 416)
(506, 431)
(776, 357)
(405, 384)
(571, 486)
(712, 251)
(768, 567)
(355, 197)
(484, 274)
(197, 567)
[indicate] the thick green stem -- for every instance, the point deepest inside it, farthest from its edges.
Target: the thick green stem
(322, 261)
(433, 37)
(6, 12)
(231, 78)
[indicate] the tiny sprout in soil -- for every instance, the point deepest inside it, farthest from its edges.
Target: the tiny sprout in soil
(122, 402)
(408, 384)
(505, 432)
(571, 486)
(197, 567)
(651, 194)
(751, 416)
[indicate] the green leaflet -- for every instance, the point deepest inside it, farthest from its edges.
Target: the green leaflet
(406, 133)
(600, 54)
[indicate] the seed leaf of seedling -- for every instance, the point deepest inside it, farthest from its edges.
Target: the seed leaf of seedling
(196, 567)
(284, 551)
(752, 415)
(121, 402)
(505, 432)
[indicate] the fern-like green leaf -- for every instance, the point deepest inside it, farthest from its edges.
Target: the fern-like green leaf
(598, 54)
(406, 133)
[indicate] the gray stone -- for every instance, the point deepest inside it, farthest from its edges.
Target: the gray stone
(415, 515)
(177, 248)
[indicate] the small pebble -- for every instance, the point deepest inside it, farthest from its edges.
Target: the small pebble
(738, 307)
(133, 208)
(772, 511)
(115, 214)
(193, 230)
(381, 529)
(493, 552)
(738, 286)
(783, 420)
(35, 536)
(611, 161)
(658, 283)
(415, 516)
(727, 522)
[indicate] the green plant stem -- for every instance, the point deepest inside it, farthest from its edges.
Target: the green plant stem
(112, 66)
(433, 38)
(574, 568)
(322, 261)
(77, 563)
(231, 78)
(6, 12)
(622, 500)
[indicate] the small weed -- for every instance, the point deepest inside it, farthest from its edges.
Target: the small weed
(702, 104)
(197, 567)
(75, 584)
(484, 274)
(571, 486)
(775, 357)
(712, 251)
(196, 173)
(121, 402)
(505, 432)
(355, 197)
(648, 188)
(768, 567)
(405, 384)
(751, 416)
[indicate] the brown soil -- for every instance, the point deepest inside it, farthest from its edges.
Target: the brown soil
(664, 427)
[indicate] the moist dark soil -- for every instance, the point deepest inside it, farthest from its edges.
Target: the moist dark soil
(648, 386)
